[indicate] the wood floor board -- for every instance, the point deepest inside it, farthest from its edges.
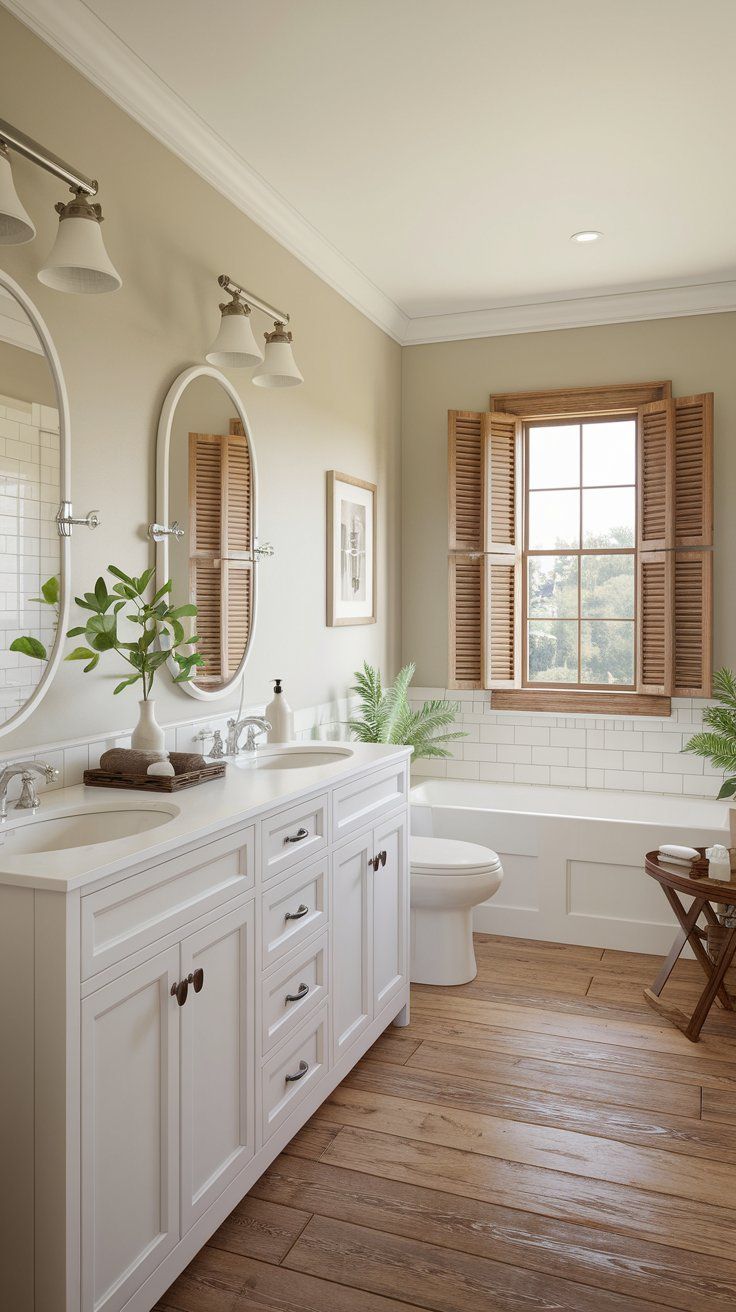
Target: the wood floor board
(689, 1136)
(564, 1078)
(622, 1209)
(691, 1068)
(260, 1229)
(461, 1282)
(216, 1281)
(538, 1140)
(569, 1151)
(582, 1253)
(624, 1033)
(719, 1105)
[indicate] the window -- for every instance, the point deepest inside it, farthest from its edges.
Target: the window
(580, 548)
(579, 553)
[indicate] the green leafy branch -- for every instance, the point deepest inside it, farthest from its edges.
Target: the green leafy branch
(386, 715)
(28, 645)
(717, 743)
(161, 635)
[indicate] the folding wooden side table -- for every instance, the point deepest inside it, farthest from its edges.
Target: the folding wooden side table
(714, 947)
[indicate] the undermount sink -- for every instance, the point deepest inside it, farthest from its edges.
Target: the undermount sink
(305, 757)
(81, 828)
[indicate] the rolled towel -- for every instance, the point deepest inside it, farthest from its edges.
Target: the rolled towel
(124, 760)
(183, 762)
(682, 856)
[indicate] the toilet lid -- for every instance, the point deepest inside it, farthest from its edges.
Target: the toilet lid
(451, 856)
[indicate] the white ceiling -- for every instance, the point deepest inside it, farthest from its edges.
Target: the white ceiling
(446, 151)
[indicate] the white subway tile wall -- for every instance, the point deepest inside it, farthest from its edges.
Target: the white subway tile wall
(582, 751)
(29, 500)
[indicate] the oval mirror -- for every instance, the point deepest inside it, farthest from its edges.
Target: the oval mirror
(34, 477)
(206, 521)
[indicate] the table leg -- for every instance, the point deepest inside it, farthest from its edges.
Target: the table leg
(707, 998)
(687, 925)
(687, 920)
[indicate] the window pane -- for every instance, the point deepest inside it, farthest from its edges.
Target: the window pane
(552, 587)
(554, 520)
(553, 651)
(609, 517)
(608, 587)
(607, 652)
(609, 452)
(554, 456)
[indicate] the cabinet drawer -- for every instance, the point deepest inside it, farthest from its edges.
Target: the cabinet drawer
(281, 1095)
(293, 910)
(364, 801)
(292, 992)
(136, 911)
(293, 835)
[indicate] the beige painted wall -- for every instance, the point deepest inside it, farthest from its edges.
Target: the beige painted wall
(25, 375)
(697, 354)
(170, 235)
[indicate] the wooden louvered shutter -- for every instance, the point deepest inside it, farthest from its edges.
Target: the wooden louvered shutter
(221, 557)
(484, 555)
(675, 518)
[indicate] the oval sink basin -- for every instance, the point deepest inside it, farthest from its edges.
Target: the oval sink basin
(53, 833)
(293, 758)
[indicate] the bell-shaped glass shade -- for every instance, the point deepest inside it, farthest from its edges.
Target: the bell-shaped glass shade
(78, 261)
(235, 346)
(16, 226)
(279, 368)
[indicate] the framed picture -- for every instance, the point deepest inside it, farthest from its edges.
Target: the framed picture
(351, 550)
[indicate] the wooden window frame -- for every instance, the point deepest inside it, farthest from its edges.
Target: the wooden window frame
(580, 552)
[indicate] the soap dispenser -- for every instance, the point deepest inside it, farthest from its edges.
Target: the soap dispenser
(280, 716)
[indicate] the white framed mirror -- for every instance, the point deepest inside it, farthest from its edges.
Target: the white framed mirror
(35, 479)
(206, 522)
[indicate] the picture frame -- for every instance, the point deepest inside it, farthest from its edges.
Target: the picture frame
(351, 550)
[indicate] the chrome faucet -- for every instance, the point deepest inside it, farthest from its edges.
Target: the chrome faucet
(29, 799)
(254, 723)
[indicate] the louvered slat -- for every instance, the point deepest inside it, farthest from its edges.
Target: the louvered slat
(693, 420)
(465, 431)
(655, 624)
(205, 588)
(502, 446)
(502, 656)
(656, 475)
(692, 624)
(239, 613)
(466, 622)
(205, 491)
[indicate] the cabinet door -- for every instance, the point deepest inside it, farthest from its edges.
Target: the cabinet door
(351, 943)
(130, 1131)
(389, 885)
(217, 1060)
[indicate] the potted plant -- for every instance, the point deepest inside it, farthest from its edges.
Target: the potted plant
(387, 717)
(160, 638)
(717, 743)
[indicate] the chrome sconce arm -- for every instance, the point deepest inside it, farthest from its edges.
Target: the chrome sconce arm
(157, 532)
(65, 519)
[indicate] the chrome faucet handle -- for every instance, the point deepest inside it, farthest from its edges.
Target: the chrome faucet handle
(262, 726)
(29, 799)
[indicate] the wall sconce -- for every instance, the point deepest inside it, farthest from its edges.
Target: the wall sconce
(235, 346)
(78, 261)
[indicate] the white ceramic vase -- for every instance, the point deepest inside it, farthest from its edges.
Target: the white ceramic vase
(148, 736)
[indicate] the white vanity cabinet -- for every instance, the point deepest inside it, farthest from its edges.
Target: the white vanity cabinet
(187, 1014)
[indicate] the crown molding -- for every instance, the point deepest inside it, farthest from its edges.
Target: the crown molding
(74, 32)
(625, 306)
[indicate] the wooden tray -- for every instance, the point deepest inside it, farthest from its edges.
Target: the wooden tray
(154, 783)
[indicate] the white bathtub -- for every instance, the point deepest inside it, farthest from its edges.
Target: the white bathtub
(573, 858)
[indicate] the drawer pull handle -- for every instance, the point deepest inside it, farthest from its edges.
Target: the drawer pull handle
(298, 837)
(196, 979)
(297, 997)
(301, 910)
(180, 991)
(378, 860)
(303, 1068)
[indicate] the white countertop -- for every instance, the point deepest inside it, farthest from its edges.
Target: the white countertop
(197, 814)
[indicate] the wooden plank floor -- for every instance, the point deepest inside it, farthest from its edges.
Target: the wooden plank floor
(536, 1141)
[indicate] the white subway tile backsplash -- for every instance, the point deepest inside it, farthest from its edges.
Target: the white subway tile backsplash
(533, 737)
(531, 774)
(497, 733)
(662, 742)
(495, 772)
(625, 740)
(606, 760)
(515, 755)
(566, 776)
(549, 756)
(643, 761)
(663, 783)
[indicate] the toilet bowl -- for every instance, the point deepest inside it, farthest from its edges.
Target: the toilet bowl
(448, 879)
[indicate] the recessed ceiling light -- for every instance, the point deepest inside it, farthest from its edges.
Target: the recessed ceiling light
(588, 234)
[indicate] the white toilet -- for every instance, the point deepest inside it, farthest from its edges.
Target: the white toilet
(448, 879)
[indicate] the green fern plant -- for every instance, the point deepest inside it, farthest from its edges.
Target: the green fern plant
(387, 717)
(718, 743)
